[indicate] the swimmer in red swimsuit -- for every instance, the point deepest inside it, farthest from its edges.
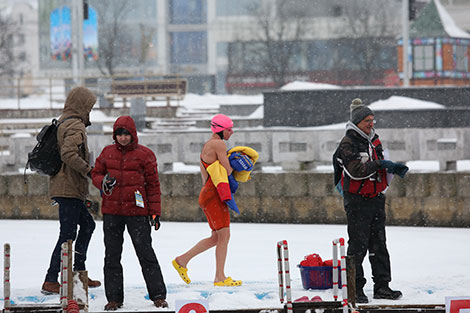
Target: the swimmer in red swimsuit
(216, 211)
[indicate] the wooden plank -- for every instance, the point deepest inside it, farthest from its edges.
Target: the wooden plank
(43, 308)
(69, 270)
(351, 278)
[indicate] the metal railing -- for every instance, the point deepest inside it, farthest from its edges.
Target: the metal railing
(21, 92)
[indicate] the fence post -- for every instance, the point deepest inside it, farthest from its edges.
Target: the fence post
(6, 278)
(344, 279)
(64, 279)
(284, 275)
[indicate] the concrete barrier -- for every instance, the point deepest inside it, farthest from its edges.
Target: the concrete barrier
(294, 149)
(434, 199)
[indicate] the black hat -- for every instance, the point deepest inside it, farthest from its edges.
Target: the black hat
(359, 111)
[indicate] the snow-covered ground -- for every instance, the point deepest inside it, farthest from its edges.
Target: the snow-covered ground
(428, 264)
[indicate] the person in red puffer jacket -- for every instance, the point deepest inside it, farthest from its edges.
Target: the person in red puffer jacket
(126, 174)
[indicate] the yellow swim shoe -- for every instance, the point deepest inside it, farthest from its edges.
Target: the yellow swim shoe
(229, 282)
(182, 271)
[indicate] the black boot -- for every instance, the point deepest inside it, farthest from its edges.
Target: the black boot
(361, 296)
(384, 292)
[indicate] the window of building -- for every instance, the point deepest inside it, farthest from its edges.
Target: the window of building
(298, 57)
(142, 10)
(188, 11)
(461, 58)
(423, 58)
(319, 55)
(240, 7)
(255, 57)
(188, 47)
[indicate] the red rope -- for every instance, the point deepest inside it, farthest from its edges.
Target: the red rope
(72, 306)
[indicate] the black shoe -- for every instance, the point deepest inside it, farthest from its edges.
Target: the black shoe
(384, 292)
(361, 296)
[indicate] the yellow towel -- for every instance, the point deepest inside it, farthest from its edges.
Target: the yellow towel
(219, 177)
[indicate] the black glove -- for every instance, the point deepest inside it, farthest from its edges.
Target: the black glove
(155, 221)
(394, 168)
(389, 165)
(108, 184)
(401, 169)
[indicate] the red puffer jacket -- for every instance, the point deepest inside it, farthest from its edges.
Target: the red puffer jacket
(135, 169)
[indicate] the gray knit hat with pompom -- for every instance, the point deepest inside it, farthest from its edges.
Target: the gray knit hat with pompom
(359, 111)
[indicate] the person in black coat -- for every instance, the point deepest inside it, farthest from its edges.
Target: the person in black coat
(363, 183)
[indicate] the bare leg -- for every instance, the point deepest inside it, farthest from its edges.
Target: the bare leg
(198, 248)
(223, 236)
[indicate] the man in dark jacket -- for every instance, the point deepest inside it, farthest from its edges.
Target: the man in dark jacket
(363, 183)
(126, 173)
(69, 188)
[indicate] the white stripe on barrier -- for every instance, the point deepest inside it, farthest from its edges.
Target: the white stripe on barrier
(344, 282)
(64, 275)
(284, 274)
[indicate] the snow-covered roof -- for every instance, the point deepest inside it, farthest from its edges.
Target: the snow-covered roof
(449, 25)
(435, 21)
(301, 85)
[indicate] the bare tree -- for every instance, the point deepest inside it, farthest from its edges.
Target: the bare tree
(8, 60)
(279, 31)
(374, 24)
(113, 35)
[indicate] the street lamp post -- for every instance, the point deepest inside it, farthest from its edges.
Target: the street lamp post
(405, 26)
(77, 41)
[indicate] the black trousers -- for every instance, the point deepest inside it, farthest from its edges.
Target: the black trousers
(72, 213)
(366, 231)
(139, 230)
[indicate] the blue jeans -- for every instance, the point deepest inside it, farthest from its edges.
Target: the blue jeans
(72, 212)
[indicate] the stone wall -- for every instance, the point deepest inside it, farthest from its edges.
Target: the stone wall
(293, 149)
(431, 199)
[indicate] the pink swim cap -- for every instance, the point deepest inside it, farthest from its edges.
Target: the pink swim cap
(220, 122)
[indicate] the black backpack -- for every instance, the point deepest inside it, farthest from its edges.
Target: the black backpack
(337, 166)
(45, 157)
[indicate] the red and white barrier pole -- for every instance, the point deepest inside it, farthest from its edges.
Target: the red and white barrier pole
(344, 281)
(284, 274)
(64, 275)
(6, 278)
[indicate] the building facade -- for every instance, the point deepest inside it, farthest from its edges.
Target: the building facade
(192, 38)
(438, 50)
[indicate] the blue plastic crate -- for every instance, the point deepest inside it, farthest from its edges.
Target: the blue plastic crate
(318, 277)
